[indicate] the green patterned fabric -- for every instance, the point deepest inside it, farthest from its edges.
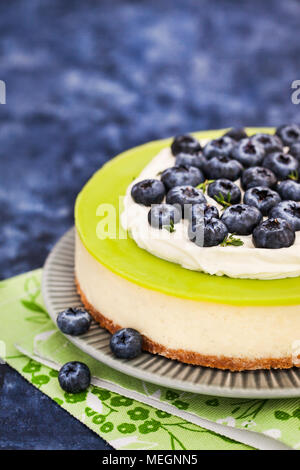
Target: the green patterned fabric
(127, 412)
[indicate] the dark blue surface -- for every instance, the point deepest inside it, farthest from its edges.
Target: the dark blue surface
(86, 80)
(30, 420)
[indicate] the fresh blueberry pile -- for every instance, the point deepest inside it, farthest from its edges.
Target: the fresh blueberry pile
(267, 167)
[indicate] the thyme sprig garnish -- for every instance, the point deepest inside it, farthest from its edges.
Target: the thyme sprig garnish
(294, 175)
(170, 227)
(232, 240)
(203, 186)
(224, 201)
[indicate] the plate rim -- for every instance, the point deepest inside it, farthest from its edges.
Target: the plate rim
(127, 369)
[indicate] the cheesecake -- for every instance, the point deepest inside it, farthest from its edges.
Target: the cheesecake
(194, 242)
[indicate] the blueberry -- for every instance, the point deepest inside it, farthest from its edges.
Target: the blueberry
(185, 196)
(126, 343)
(181, 176)
(236, 133)
(261, 197)
(241, 219)
(273, 233)
(282, 164)
(222, 146)
(186, 159)
(289, 134)
(207, 232)
(198, 212)
(74, 321)
(295, 150)
(185, 143)
(225, 188)
(223, 167)
(74, 377)
(161, 215)
(258, 176)
(248, 152)
(289, 190)
(270, 143)
(148, 192)
(288, 210)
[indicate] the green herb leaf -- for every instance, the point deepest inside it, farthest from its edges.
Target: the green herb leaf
(232, 240)
(224, 201)
(294, 175)
(203, 186)
(170, 227)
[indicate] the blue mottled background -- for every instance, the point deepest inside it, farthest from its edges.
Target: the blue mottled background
(88, 79)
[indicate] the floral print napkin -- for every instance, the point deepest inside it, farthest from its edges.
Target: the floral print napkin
(127, 412)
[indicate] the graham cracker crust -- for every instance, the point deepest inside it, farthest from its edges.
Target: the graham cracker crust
(189, 357)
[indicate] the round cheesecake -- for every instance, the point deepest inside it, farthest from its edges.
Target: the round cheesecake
(229, 307)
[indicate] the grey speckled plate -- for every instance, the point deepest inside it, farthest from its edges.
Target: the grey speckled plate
(59, 293)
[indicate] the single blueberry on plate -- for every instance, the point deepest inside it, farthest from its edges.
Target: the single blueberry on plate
(164, 215)
(236, 133)
(270, 143)
(184, 196)
(248, 152)
(288, 210)
(226, 188)
(241, 219)
(222, 147)
(273, 233)
(261, 197)
(185, 143)
(148, 192)
(295, 150)
(74, 377)
(126, 343)
(207, 232)
(198, 212)
(289, 134)
(181, 176)
(223, 167)
(74, 321)
(258, 176)
(289, 190)
(282, 164)
(186, 159)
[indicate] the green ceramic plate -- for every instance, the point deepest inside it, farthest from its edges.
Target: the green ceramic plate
(125, 258)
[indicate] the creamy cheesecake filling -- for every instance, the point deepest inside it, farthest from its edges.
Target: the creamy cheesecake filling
(242, 332)
(234, 261)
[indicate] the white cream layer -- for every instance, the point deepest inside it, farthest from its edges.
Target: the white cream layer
(234, 261)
